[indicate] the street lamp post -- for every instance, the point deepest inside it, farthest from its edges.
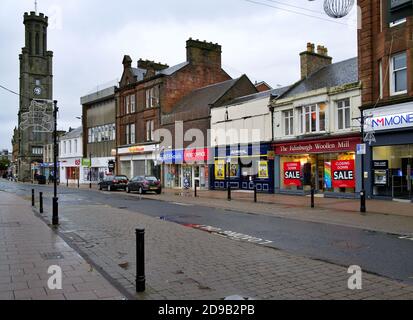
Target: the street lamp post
(363, 208)
(55, 219)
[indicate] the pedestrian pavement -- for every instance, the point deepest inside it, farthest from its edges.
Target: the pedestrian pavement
(183, 263)
(382, 216)
(29, 247)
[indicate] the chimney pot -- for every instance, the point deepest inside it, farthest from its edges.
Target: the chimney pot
(312, 62)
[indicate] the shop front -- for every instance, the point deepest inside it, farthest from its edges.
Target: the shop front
(389, 159)
(183, 169)
(328, 165)
(138, 161)
(243, 167)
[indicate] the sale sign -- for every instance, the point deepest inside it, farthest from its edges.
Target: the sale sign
(292, 174)
(344, 174)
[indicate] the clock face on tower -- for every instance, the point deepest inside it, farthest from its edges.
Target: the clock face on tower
(37, 91)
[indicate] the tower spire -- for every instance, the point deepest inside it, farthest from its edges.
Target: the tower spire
(35, 6)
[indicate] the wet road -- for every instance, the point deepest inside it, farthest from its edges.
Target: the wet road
(375, 252)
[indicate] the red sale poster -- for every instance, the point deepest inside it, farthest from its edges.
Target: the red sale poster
(292, 174)
(344, 174)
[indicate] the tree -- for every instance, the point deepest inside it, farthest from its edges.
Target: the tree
(4, 164)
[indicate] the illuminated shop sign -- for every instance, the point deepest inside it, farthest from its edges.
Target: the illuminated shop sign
(320, 146)
(395, 121)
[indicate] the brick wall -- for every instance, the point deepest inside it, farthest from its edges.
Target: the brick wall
(377, 41)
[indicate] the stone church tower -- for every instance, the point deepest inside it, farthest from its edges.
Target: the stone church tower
(36, 82)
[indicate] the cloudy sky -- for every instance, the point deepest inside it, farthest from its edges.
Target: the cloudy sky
(90, 37)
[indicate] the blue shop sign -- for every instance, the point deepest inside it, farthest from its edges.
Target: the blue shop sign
(242, 151)
(172, 157)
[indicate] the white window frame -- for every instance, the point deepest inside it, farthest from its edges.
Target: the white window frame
(150, 130)
(302, 119)
(341, 105)
(132, 133)
(133, 103)
(393, 91)
(127, 133)
(288, 115)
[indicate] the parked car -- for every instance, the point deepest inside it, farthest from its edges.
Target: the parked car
(144, 184)
(112, 183)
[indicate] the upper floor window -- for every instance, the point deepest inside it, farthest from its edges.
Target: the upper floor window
(70, 146)
(150, 130)
(37, 151)
(398, 72)
(152, 97)
(133, 104)
(397, 22)
(313, 118)
(288, 122)
(75, 146)
(343, 114)
(130, 134)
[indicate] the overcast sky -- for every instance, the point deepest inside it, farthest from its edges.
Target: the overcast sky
(90, 37)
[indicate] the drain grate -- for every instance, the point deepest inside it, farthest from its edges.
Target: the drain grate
(52, 256)
(10, 225)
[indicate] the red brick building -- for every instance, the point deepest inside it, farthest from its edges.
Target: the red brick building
(386, 72)
(151, 89)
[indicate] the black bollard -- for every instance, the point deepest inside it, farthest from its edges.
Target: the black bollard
(229, 191)
(140, 260)
(33, 203)
(363, 206)
(196, 189)
(255, 194)
(67, 183)
(41, 202)
(312, 198)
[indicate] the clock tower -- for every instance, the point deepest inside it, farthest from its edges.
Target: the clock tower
(36, 82)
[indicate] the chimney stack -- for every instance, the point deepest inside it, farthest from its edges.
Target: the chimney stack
(312, 61)
(203, 53)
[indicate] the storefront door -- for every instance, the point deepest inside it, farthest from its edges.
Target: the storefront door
(403, 183)
(187, 177)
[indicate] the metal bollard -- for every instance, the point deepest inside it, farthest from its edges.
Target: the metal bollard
(33, 203)
(140, 260)
(67, 183)
(41, 202)
(312, 198)
(229, 191)
(196, 189)
(255, 194)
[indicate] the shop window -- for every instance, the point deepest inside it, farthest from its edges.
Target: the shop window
(398, 71)
(344, 114)
(288, 122)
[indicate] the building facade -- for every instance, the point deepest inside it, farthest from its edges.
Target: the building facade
(148, 91)
(73, 167)
(186, 160)
(385, 61)
(36, 83)
(315, 134)
(99, 132)
(241, 135)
